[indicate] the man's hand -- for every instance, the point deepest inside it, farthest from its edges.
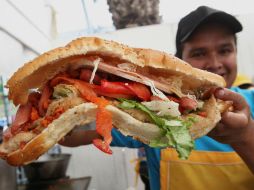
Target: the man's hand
(237, 127)
(79, 137)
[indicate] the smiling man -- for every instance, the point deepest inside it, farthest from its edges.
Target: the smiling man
(206, 38)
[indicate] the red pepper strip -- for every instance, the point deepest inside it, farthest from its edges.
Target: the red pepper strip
(44, 100)
(140, 90)
(188, 103)
(171, 98)
(115, 88)
(202, 114)
(124, 88)
(100, 92)
(100, 144)
(104, 125)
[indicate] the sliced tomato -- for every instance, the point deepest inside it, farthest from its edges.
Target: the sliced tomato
(44, 100)
(202, 114)
(123, 88)
(86, 74)
(34, 98)
(188, 103)
(174, 99)
(100, 92)
(140, 90)
(155, 98)
(115, 88)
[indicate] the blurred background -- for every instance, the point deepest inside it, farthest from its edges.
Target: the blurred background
(31, 27)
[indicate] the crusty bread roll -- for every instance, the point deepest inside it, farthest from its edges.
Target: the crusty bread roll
(36, 73)
(168, 73)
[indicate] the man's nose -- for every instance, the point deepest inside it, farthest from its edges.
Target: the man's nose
(213, 63)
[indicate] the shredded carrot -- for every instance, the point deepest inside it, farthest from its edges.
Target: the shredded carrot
(34, 114)
(48, 119)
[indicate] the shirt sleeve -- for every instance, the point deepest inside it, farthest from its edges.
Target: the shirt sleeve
(124, 141)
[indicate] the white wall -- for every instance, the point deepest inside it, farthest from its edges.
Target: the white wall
(108, 172)
(16, 23)
(246, 46)
(13, 54)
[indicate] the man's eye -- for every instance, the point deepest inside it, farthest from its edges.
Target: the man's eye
(225, 51)
(198, 54)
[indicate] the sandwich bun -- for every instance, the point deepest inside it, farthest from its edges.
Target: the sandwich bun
(173, 74)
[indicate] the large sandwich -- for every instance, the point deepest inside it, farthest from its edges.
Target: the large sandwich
(146, 94)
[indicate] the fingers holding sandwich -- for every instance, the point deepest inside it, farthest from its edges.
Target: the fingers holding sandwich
(235, 125)
(79, 137)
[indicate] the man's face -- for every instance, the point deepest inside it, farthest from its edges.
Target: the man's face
(212, 48)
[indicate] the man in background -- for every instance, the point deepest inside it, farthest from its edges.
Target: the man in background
(206, 39)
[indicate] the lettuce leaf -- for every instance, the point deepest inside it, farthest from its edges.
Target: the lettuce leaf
(175, 133)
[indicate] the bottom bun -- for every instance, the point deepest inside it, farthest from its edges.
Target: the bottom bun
(126, 124)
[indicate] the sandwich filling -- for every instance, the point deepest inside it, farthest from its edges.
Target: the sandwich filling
(92, 79)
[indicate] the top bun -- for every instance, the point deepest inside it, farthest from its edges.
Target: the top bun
(37, 72)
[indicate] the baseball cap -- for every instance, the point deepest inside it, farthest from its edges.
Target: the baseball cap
(202, 15)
